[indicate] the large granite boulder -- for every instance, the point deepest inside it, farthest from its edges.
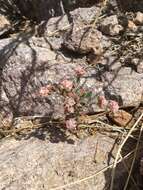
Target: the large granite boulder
(41, 165)
(56, 29)
(5, 26)
(28, 65)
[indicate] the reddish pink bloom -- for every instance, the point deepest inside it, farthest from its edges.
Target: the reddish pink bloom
(67, 85)
(71, 124)
(102, 102)
(70, 109)
(80, 70)
(74, 95)
(82, 92)
(69, 104)
(113, 106)
(70, 101)
(45, 90)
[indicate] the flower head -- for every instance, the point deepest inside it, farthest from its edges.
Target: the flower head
(74, 96)
(69, 104)
(67, 85)
(102, 102)
(80, 70)
(45, 90)
(113, 106)
(71, 124)
(70, 101)
(82, 91)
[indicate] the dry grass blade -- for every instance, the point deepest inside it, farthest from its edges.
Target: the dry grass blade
(103, 126)
(50, 34)
(120, 148)
(11, 132)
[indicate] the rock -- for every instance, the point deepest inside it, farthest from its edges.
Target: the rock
(55, 28)
(109, 20)
(116, 66)
(4, 21)
(56, 24)
(140, 67)
(121, 118)
(24, 54)
(36, 66)
(4, 25)
(138, 64)
(84, 41)
(139, 18)
(110, 26)
(113, 5)
(38, 164)
(78, 36)
(124, 86)
(132, 26)
(84, 15)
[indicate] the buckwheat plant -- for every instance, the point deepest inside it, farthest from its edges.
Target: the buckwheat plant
(74, 98)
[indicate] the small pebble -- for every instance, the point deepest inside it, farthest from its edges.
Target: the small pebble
(139, 18)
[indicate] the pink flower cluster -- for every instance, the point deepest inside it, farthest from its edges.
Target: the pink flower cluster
(71, 124)
(74, 96)
(80, 70)
(67, 85)
(102, 102)
(45, 90)
(69, 104)
(112, 105)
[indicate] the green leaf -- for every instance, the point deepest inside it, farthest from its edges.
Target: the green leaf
(87, 95)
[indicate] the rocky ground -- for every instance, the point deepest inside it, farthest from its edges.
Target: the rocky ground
(106, 40)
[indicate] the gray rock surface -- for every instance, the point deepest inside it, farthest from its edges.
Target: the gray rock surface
(110, 26)
(85, 15)
(139, 18)
(4, 25)
(140, 67)
(125, 85)
(35, 164)
(83, 42)
(26, 66)
(29, 63)
(55, 29)
(51, 157)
